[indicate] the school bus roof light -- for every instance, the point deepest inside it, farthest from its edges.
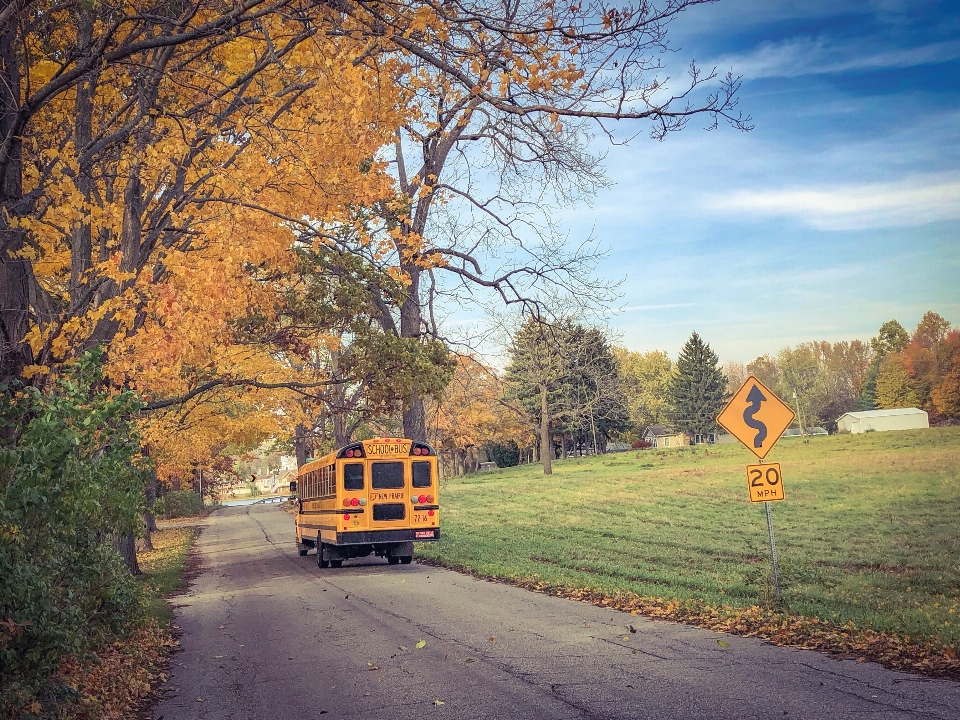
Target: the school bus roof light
(352, 451)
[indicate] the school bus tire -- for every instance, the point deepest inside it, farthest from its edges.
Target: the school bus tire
(321, 562)
(406, 559)
(302, 549)
(336, 563)
(393, 559)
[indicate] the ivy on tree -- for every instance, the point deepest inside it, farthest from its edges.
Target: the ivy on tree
(698, 389)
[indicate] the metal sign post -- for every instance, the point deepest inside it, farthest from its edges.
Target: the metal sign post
(773, 548)
(757, 418)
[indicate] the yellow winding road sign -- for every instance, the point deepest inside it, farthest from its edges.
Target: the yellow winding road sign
(756, 417)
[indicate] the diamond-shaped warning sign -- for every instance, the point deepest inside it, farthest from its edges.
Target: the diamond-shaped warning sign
(756, 417)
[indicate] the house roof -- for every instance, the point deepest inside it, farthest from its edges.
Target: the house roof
(661, 431)
(883, 413)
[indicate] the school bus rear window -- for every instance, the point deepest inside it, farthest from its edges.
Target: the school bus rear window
(421, 474)
(387, 475)
(353, 476)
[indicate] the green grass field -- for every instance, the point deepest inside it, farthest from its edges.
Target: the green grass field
(869, 531)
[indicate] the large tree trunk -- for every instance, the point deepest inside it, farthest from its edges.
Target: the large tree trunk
(414, 413)
(546, 449)
(301, 445)
(14, 273)
(149, 519)
(126, 545)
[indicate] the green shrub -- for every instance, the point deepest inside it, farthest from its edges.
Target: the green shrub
(504, 455)
(182, 503)
(70, 483)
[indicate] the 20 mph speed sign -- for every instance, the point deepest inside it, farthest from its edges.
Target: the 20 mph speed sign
(765, 482)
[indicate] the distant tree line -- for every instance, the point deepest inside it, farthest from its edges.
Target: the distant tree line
(568, 390)
(823, 380)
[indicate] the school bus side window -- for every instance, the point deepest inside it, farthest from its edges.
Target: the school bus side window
(421, 474)
(353, 476)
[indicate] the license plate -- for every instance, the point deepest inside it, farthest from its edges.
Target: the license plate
(424, 534)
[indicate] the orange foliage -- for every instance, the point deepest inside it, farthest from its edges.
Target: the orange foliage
(471, 413)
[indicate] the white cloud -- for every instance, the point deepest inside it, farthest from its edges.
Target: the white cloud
(910, 202)
(662, 306)
(809, 56)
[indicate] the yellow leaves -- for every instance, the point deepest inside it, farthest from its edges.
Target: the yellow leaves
(31, 371)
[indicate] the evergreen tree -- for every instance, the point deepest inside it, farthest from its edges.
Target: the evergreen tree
(698, 389)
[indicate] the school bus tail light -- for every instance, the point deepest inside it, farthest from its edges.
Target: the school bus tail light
(346, 502)
(346, 516)
(429, 498)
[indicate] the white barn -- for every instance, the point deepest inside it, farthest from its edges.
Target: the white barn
(880, 420)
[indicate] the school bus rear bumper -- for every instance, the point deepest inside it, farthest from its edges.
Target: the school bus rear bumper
(368, 537)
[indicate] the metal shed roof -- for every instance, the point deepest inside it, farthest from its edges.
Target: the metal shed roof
(884, 413)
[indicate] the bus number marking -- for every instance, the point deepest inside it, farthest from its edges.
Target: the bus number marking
(421, 517)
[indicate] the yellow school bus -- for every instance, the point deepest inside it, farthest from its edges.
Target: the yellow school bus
(376, 496)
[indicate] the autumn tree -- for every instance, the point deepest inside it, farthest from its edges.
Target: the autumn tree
(918, 374)
(736, 375)
(646, 378)
(894, 386)
(945, 395)
(697, 389)
(507, 96)
(891, 338)
(469, 414)
(765, 369)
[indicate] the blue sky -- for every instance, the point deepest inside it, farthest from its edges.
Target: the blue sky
(839, 211)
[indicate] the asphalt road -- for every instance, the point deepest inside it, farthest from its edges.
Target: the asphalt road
(267, 634)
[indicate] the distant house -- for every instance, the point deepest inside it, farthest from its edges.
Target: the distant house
(797, 432)
(880, 420)
(661, 436)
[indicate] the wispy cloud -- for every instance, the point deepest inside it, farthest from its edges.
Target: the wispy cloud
(809, 56)
(910, 202)
(664, 306)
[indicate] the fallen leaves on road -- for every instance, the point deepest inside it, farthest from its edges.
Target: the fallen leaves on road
(892, 650)
(422, 643)
(723, 643)
(438, 702)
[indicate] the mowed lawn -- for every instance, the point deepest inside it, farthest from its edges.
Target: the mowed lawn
(869, 531)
